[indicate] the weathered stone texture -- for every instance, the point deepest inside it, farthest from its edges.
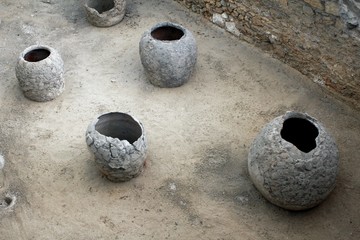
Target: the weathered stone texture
(315, 4)
(310, 36)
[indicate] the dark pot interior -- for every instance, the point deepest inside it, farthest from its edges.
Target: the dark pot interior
(167, 33)
(300, 132)
(101, 5)
(119, 125)
(37, 55)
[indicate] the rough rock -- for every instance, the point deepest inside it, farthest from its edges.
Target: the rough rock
(230, 27)
(218, 20)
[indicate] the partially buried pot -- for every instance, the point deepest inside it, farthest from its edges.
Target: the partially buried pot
(105, 13)
(118, 142)
(40, 70)
(293, 161)
(168, 53)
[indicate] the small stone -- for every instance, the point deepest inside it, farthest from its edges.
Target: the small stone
(223, 3)
(308, 10)
(224, 16)
(230, 27)
(272, 39)
(2, 162)
(172, 186)
(218, 20)
(332, 8)
(315, 4)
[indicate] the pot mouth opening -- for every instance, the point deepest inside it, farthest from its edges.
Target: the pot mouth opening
(101, 5)
(167, 33)
(119, 125)
(36, 55)
(301, 133)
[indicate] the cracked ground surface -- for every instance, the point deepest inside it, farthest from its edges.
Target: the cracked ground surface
(195, 184)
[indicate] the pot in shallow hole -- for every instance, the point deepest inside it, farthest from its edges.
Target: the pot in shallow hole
(168, 53)
(105, 13)
(39, 71)
(118, 142)
(293, 162)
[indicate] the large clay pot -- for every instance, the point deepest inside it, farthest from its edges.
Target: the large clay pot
(105, 13)
(39, 70)
(293, 162)
(118, 142)
(168, 53)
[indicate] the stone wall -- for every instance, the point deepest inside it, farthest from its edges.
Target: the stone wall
(319, 38)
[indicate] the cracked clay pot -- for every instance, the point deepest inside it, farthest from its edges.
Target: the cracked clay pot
(118, 142)
(293, 162)
(105, 13)
(168, 53)
(39, 70)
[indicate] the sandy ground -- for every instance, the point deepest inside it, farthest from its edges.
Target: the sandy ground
(196, 184)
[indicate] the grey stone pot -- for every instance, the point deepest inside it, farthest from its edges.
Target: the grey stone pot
(39, 70)
(293, 162)
(105, 13)
(118, 142)
(168, 53)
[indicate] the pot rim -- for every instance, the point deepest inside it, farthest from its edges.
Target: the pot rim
(296, 114)
(35, 47)
(168, 24)
(102, 14)
(322, 131)
(95, 121)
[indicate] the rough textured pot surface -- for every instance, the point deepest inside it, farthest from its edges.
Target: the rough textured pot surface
(105, 13)
(118, 142)
(168, 53)
(39, 70)
(293, 161)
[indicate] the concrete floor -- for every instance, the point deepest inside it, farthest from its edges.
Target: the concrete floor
(196, 184)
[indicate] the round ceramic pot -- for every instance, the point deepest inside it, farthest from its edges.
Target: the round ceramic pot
(105, 13)
(118, 142)
(168, 53)
(293, 162)
(40, 70)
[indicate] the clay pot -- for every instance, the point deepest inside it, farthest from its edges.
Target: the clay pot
(293, 162)
(105, 13)
(39, 70)
(168, 53)
(118, 142)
